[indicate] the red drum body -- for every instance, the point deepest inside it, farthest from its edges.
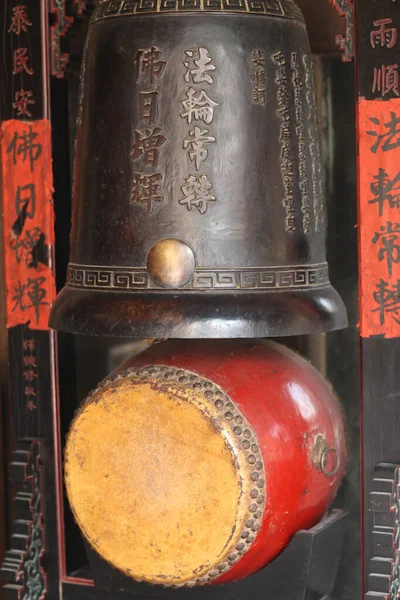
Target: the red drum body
(278, 417)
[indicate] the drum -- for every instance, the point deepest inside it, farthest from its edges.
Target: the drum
(197, 462)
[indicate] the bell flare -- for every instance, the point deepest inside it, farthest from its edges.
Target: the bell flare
(198, 316)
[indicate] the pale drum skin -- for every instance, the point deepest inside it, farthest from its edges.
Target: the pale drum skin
(288, 404)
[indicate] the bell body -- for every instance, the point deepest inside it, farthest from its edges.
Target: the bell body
(198, 200)
(199, 461)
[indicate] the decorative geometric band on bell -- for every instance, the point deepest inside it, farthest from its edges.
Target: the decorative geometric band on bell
(198, 195)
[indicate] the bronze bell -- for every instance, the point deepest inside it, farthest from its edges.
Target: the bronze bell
(198, 197)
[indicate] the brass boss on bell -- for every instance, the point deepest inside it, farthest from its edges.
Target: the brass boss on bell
(198, 200)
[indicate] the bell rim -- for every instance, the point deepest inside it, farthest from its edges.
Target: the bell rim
(196, 315)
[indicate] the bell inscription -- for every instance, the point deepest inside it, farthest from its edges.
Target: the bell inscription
(313, 144)
(258, 78)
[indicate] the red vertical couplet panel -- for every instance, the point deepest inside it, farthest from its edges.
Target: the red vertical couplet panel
(378, 79)
(379, 217)
(27, 187)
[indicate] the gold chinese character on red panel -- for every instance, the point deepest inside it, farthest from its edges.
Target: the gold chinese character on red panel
(19, 20)
(386, 79)
(23, 99)
(383, 35)
(21, 61)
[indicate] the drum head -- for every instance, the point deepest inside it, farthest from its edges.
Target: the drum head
(161, 472)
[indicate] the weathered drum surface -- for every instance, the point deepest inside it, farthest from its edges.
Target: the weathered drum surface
(199, 461)
(198, 196)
